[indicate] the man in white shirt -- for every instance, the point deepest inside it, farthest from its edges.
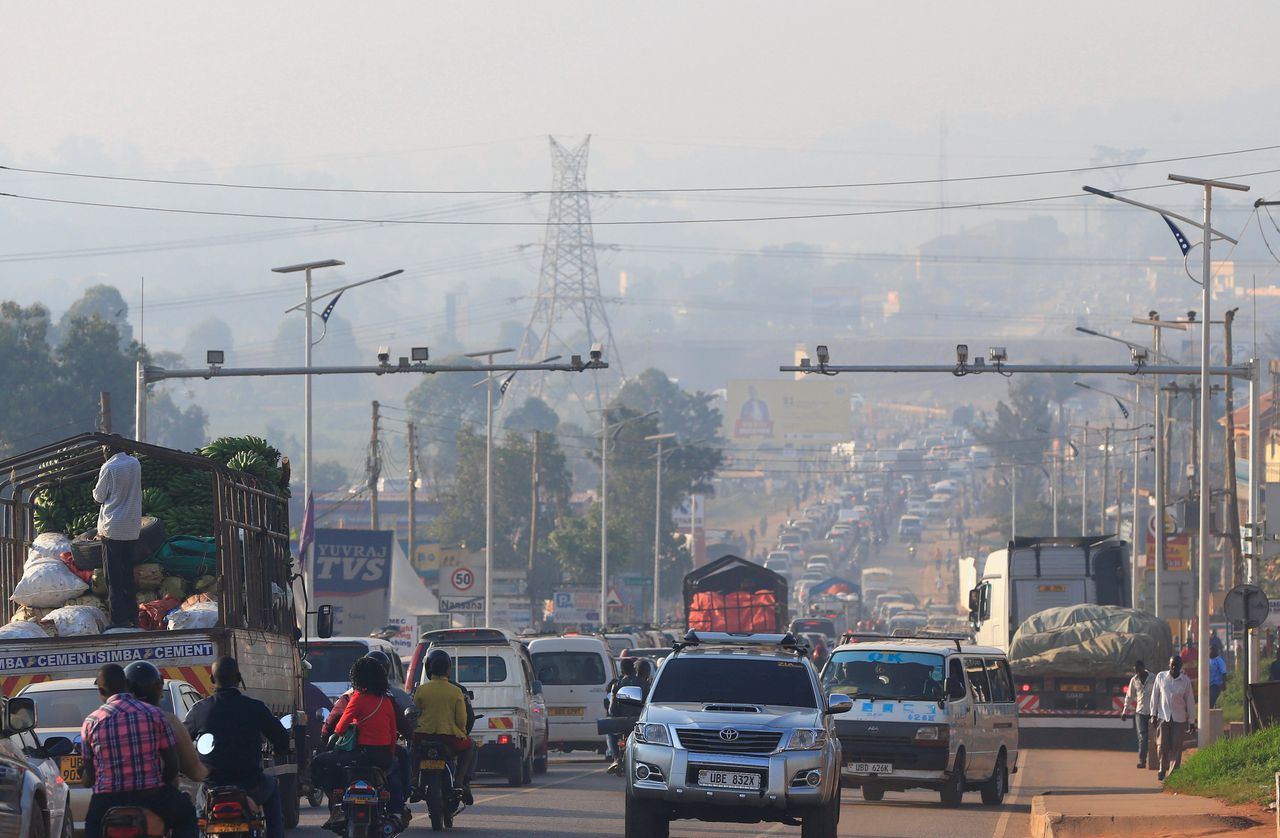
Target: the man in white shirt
(119, 490)
(1173, 703)
(1137, 700)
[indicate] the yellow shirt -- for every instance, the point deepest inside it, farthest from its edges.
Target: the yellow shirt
(443, 708)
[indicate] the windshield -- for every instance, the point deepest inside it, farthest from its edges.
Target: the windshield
(618, 645)
(562, 669)
(699, 680)
(69, 708)
(331, 662)
(826, 627)
(872, 674)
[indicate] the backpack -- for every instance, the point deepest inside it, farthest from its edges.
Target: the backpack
(188, 556)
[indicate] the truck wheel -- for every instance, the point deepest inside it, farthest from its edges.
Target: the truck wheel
(953, 792)
(526, 770)
(821, 821)
(645, 819)
(993, 790)
(540, 764)
(515, 770)
(289, 801)
(872, 793)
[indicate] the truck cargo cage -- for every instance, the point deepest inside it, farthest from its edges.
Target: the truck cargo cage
(732, 594)
(251, 524)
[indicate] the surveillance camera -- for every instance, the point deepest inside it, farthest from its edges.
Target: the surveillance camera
(597, 351)
(962, 353)
(384, 354)
(824, 355)
(1139, 354)
(998, 354)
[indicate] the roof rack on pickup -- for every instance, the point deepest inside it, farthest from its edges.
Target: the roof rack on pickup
(958, 639)
(467, 637)
(743, 639)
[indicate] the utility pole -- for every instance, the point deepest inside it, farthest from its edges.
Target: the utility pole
(1084, 483)
(373, 467)
(1106, 474)
(1233, 505)
(533, 524)
(413, 491)
(1161, 453)
(104, 412)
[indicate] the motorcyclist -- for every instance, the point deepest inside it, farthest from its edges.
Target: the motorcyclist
(445, 714)
(130, 759)
(147, 684)
(239, 724)
(372, 713)
(628, 678)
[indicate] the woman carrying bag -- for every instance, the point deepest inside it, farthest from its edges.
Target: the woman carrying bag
(366, 730)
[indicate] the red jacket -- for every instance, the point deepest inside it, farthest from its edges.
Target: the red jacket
(374, 717)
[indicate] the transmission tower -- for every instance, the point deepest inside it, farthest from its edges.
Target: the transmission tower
(569, 302)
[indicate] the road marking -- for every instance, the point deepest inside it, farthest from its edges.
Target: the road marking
(531, 787)
(1015, 788)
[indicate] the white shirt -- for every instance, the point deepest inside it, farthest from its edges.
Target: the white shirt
(1173, 699)
(1138, 698)
(119, 490)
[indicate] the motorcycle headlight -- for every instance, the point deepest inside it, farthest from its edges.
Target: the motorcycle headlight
(806, 739)
(653, 734)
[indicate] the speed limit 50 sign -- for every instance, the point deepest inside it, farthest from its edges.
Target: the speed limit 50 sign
(461, 581)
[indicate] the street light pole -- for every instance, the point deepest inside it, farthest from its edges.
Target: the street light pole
(657, 518)
(604, 505)
(488, 482)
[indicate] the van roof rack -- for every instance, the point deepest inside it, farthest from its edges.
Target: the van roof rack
(743, 639)
(467, 637)
(954, 637)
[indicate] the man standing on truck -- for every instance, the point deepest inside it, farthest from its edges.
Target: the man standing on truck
(119, 490)
(1174, 704)
(1137, 699)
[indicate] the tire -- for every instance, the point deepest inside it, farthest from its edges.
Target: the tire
(540, 764)
(315, 798)
(952, 794)
(645, 819)
(515, 771)
(821, 821)
(435, 800)
(526, 770)
(68, 821)
(872, 793)
(357, 829)
(994, 789)
(290, 803)
(39, 820)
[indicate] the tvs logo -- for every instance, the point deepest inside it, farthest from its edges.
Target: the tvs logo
(729, 735)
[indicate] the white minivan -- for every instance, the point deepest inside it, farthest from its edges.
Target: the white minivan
(927, 713)
(575, 672)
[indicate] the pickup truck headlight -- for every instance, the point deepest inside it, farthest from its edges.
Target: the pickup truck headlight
(653, 734)
(806, 739)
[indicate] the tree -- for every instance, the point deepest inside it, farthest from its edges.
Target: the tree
(29, 412)
(451, 401)
(90, 361)
(210, 333)
(690, 416)
(533, 415)
(104, 302)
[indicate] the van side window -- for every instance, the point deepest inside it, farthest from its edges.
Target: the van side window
(976, 669)
(955, 671)
(998, 677)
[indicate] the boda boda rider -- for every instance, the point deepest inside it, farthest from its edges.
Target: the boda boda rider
(371, 711)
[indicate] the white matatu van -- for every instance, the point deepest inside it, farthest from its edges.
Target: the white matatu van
(927, 713)
(575, 672)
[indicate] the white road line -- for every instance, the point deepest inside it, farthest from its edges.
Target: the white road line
(1015, 788)
(533, 788)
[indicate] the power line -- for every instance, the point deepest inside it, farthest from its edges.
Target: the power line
(690, 189)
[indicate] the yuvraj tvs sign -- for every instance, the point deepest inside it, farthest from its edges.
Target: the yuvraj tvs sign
(353, 574)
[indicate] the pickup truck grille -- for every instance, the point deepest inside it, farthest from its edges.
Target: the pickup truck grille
(747, 742)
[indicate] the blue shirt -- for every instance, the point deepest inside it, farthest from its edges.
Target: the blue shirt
(1217, 671)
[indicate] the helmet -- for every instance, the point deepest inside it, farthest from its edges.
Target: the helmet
(382, 658)
(439, 662)
(145, 681)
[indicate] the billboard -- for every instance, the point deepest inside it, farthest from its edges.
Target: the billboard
(779, 410)
(353, 574)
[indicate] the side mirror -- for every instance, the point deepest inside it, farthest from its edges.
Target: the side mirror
(974, 600)
(58, 746)
(324, 622)
(631, 695)
(324, 714)
(204, 744)
(838, 703)
(955, 689)
(537, 687)
(286, 721)
(20, 715)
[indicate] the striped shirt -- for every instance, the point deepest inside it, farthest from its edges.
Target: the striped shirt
(123, 738)
(119, 490)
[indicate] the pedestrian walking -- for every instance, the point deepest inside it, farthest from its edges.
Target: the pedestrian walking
(1137, 701)
(119, 490)
(1217, 675)
(1173, 703)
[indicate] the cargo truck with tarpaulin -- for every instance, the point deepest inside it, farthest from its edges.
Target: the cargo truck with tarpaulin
(256, 623)
(733, 594)
(1023, 590)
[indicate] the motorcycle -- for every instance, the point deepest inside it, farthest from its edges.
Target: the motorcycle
(437, 770)
(132, 822)
(227, 810)
(364, 804)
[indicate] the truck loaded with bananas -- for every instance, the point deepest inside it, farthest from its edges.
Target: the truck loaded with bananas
(214, 574)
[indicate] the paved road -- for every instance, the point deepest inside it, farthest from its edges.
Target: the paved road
(576, 799)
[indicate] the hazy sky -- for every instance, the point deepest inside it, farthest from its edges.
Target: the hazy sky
(461, 95)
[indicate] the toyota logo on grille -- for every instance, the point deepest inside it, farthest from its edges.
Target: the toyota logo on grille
(729, 734)
(873, 729)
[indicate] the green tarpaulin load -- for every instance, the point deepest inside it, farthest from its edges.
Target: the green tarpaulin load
(1089, 640)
